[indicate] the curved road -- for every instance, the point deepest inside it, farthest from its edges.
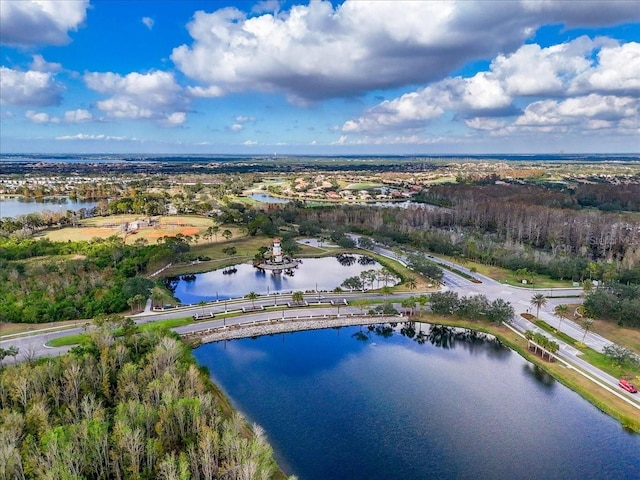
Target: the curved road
(276, 305)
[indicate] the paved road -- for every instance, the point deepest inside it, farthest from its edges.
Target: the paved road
(520, 298)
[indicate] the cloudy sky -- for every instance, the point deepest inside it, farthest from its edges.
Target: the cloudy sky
(320, 77)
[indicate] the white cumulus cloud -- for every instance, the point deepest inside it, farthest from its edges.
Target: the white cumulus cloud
(155, 95)
(593, 70)
(617, 70)
(40, 22)
(77, 116)
(318, 51)
(148, 22)
(41, 117)
(31, 88)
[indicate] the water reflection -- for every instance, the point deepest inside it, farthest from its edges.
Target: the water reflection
(371, 403)
(542, 377)
(16, 206)
(313, 274)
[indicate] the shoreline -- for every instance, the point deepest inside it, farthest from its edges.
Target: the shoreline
(600, 398)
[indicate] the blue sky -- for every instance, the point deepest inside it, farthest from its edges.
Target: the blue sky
(319, 78)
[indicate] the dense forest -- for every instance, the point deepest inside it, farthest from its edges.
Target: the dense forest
(128, 407)
(44, 281)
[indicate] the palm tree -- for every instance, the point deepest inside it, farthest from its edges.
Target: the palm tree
(409, 303)
(156, 296)
(297, 297)
(552, 348)
(202, 303)
(252, 296)
(587, 323)
(422, 300)
(529, 336)
(386, 291)
(561, 312)
(214, 231)
(385, 275)
(538, 300)
(411, 283)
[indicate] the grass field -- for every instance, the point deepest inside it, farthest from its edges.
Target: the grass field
(507, 276)
(362, 186)
(103, 227)
(12, 328)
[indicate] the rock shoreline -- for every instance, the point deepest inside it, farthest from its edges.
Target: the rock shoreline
(286, 326)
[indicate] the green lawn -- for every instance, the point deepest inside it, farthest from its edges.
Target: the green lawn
(507, 276)
(363, 186)
(596, 359)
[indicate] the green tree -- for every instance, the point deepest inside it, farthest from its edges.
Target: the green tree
(422, 300)
(500, 311)
(227, 234)
(156, 297)
(386, 291)
(552, 348)
(411, 283)
(587, 323)
(529, 336)
(353, 283)
(214, 231)
(252, 296)
(409, 303)
(561, 311)
(297, 297)
(538, 300)
(444, 303)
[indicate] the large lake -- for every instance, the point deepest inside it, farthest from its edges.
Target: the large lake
(14, 207)
(353, 404)
(313, 274)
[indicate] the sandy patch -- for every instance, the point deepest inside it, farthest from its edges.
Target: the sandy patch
(190, 231)
(169, 231)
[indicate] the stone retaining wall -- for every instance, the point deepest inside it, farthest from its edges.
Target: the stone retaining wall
(288, 325)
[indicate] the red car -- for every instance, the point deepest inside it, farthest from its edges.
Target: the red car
(629, 387)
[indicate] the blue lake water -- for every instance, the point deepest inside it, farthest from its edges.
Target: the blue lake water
(14, 207)
(266, 198)
(314, 273)
(353, 404)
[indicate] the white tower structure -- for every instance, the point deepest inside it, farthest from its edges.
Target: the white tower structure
(276, 251)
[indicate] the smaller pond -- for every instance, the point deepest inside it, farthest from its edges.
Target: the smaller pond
(266, 198)
(314, 273)
(16, 206)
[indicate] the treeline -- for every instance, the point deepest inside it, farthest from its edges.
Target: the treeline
(44, 281)
(136, 406)
(473, 307)
(607, 197)
(561, 243)
(616, 302)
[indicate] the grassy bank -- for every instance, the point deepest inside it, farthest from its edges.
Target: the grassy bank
(508, 277)
(602, 399)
